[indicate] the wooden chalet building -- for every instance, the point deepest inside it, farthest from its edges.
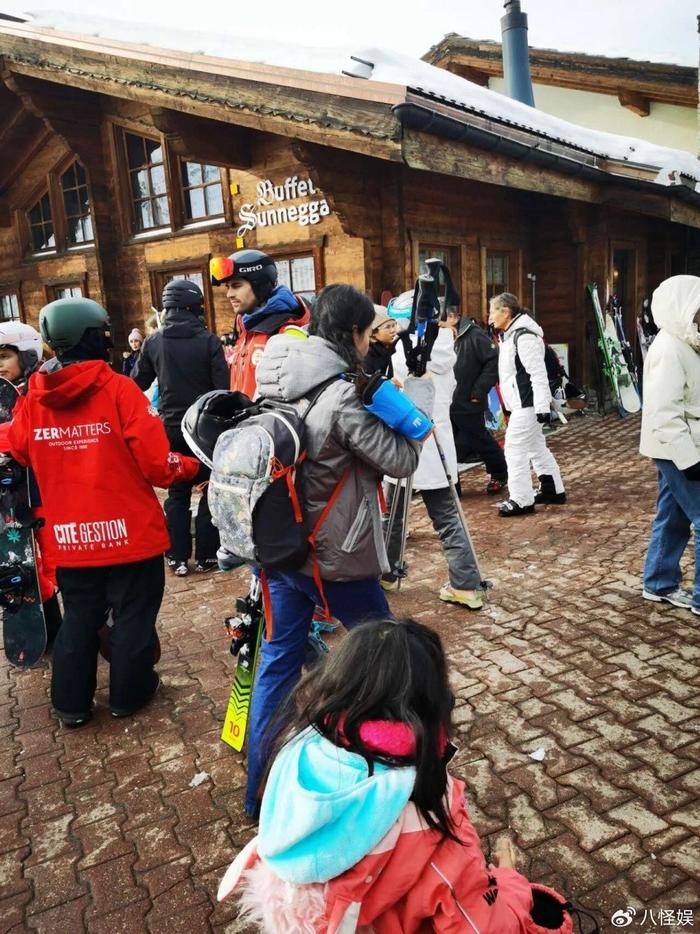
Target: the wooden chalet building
(123, 165)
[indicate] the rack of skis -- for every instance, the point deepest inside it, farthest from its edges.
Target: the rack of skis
(614, 356)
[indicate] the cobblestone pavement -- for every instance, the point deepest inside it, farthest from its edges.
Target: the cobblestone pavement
(101, 831)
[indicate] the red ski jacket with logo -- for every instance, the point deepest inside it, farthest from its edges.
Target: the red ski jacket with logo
(248, 350)
(97, 449)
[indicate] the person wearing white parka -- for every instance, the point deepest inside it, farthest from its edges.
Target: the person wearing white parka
(524, 385)
(671, 437)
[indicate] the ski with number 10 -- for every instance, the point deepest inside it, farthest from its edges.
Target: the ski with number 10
(245, 629)
(615, 366)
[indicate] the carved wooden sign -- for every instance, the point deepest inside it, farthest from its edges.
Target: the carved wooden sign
(272, 205)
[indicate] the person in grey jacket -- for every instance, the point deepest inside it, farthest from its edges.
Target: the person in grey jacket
(348, 452)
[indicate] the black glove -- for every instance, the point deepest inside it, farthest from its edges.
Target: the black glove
(693, 472)
(544, 418)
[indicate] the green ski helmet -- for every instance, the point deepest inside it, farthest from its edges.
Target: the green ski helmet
(62, 323)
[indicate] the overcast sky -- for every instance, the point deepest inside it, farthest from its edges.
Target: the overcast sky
(643, 29)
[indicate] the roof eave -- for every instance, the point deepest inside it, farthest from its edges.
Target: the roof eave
(492, 136)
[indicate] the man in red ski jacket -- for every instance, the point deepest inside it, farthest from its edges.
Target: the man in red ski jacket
(261, 308)
(97, 449)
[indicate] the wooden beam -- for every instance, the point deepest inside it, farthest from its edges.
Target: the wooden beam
(433, 154)
(349, 182)
(637, 103)
(197, 139)
(69, 113)
(475, 75)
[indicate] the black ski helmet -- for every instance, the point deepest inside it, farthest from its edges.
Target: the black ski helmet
(254, 266)
(182, 293)
(210, 416)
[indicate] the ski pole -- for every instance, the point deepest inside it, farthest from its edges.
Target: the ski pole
(485, 584)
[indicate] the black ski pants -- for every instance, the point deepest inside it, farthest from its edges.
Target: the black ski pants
(473, 437)
(134, 591)
(178, 516)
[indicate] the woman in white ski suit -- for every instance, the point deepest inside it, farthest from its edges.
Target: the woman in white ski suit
(522, 376)
(464, 587)
(671, 436)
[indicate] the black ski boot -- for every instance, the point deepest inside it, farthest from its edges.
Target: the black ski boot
(546, 493)
(510, 508)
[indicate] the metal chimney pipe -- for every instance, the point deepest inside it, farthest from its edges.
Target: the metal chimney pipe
(516, 63)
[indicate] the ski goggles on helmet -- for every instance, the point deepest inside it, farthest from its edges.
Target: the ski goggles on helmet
(221, 268)
(224, 268)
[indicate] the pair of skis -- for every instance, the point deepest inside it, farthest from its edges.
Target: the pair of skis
(618, 358)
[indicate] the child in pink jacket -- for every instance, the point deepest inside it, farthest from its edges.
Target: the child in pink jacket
(361, 826)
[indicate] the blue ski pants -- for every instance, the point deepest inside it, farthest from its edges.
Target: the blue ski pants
(677, 509)
(293, 598)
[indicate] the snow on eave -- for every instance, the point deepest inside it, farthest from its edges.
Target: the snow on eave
(436, 83)
(375, 74)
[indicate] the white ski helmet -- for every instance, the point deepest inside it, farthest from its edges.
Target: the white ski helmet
(25, 339)
(400, 309)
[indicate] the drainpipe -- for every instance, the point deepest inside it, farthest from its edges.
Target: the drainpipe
(516, 64)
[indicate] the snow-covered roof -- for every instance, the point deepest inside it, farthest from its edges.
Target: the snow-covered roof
(378, 65)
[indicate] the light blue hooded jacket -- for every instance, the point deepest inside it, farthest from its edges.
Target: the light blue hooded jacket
(322, 812)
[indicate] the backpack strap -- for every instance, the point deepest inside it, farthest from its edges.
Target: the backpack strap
(316, 572)
(318, 392)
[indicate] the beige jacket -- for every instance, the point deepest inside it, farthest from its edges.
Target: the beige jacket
(671, 413)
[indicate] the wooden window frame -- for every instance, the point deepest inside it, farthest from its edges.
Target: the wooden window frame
(157, 276)
(511, 249)
(180, 225)
(158, 138)
(208, 218)
(296, 251)
(50, 251)
(53, 284)
(59, 172)
(51, 185)
(7, 291)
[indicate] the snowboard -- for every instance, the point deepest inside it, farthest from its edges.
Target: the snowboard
(615, 306)
(614, 364)
(24, 627)
(245, 629)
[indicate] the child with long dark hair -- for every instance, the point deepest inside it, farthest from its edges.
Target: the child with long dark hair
(348, 450)
(362, 828)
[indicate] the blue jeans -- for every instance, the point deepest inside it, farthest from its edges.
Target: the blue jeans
(677, 508)
(293, 597)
